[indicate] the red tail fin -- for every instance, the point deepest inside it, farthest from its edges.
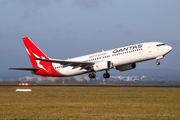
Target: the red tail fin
(33, 52)
(42, 68)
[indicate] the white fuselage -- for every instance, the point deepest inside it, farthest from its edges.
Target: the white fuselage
(119, 56)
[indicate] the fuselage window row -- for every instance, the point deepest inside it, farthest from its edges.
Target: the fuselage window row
(113, 55)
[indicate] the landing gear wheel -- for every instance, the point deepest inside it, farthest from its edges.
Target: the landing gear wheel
(157, 63)
(106, 75)
(92, 75)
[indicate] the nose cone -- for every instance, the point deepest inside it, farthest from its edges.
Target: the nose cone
(169, 48)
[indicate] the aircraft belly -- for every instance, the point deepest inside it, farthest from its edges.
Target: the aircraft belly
(69, 71)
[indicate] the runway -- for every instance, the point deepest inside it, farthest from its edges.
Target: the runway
(165, 86)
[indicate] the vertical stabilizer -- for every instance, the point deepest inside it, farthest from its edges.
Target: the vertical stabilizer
(40, 67)
(33, 52)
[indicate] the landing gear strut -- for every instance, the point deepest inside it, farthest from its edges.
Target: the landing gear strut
(92, 75)
(158, 58)
(106, 75)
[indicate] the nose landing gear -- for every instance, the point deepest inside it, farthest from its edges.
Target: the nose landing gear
(158, 58)
(157, 62)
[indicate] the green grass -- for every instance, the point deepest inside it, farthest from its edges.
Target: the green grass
(90, 103)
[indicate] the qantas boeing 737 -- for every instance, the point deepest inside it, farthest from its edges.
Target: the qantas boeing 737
(124, 58)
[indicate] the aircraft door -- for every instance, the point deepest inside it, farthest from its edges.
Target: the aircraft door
(149, 48)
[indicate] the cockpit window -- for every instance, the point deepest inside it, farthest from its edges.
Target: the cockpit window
(160, 45)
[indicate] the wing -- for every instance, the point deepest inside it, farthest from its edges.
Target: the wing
(74, 64)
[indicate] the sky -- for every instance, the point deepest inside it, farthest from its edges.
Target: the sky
(70, 28)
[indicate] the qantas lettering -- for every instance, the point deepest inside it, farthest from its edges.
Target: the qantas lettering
(127, 48)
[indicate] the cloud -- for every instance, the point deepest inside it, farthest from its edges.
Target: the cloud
(87, 3)
(37, 2)
(32, 7)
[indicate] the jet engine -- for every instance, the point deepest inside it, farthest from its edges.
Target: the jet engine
(102, 65)
(126, 67)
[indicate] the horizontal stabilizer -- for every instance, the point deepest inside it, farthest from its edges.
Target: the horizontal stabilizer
(28, 69)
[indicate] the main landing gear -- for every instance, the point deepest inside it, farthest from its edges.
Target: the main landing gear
(105, 75)
(92, 75)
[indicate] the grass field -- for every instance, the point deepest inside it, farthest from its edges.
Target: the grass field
(90, 103)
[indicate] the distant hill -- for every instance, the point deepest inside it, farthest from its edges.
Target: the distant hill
(151, 74)
(135, 74)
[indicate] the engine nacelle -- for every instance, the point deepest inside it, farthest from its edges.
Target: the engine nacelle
(102, 65)
(126, 67)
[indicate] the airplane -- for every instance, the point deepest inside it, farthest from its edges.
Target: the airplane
(122, 59)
